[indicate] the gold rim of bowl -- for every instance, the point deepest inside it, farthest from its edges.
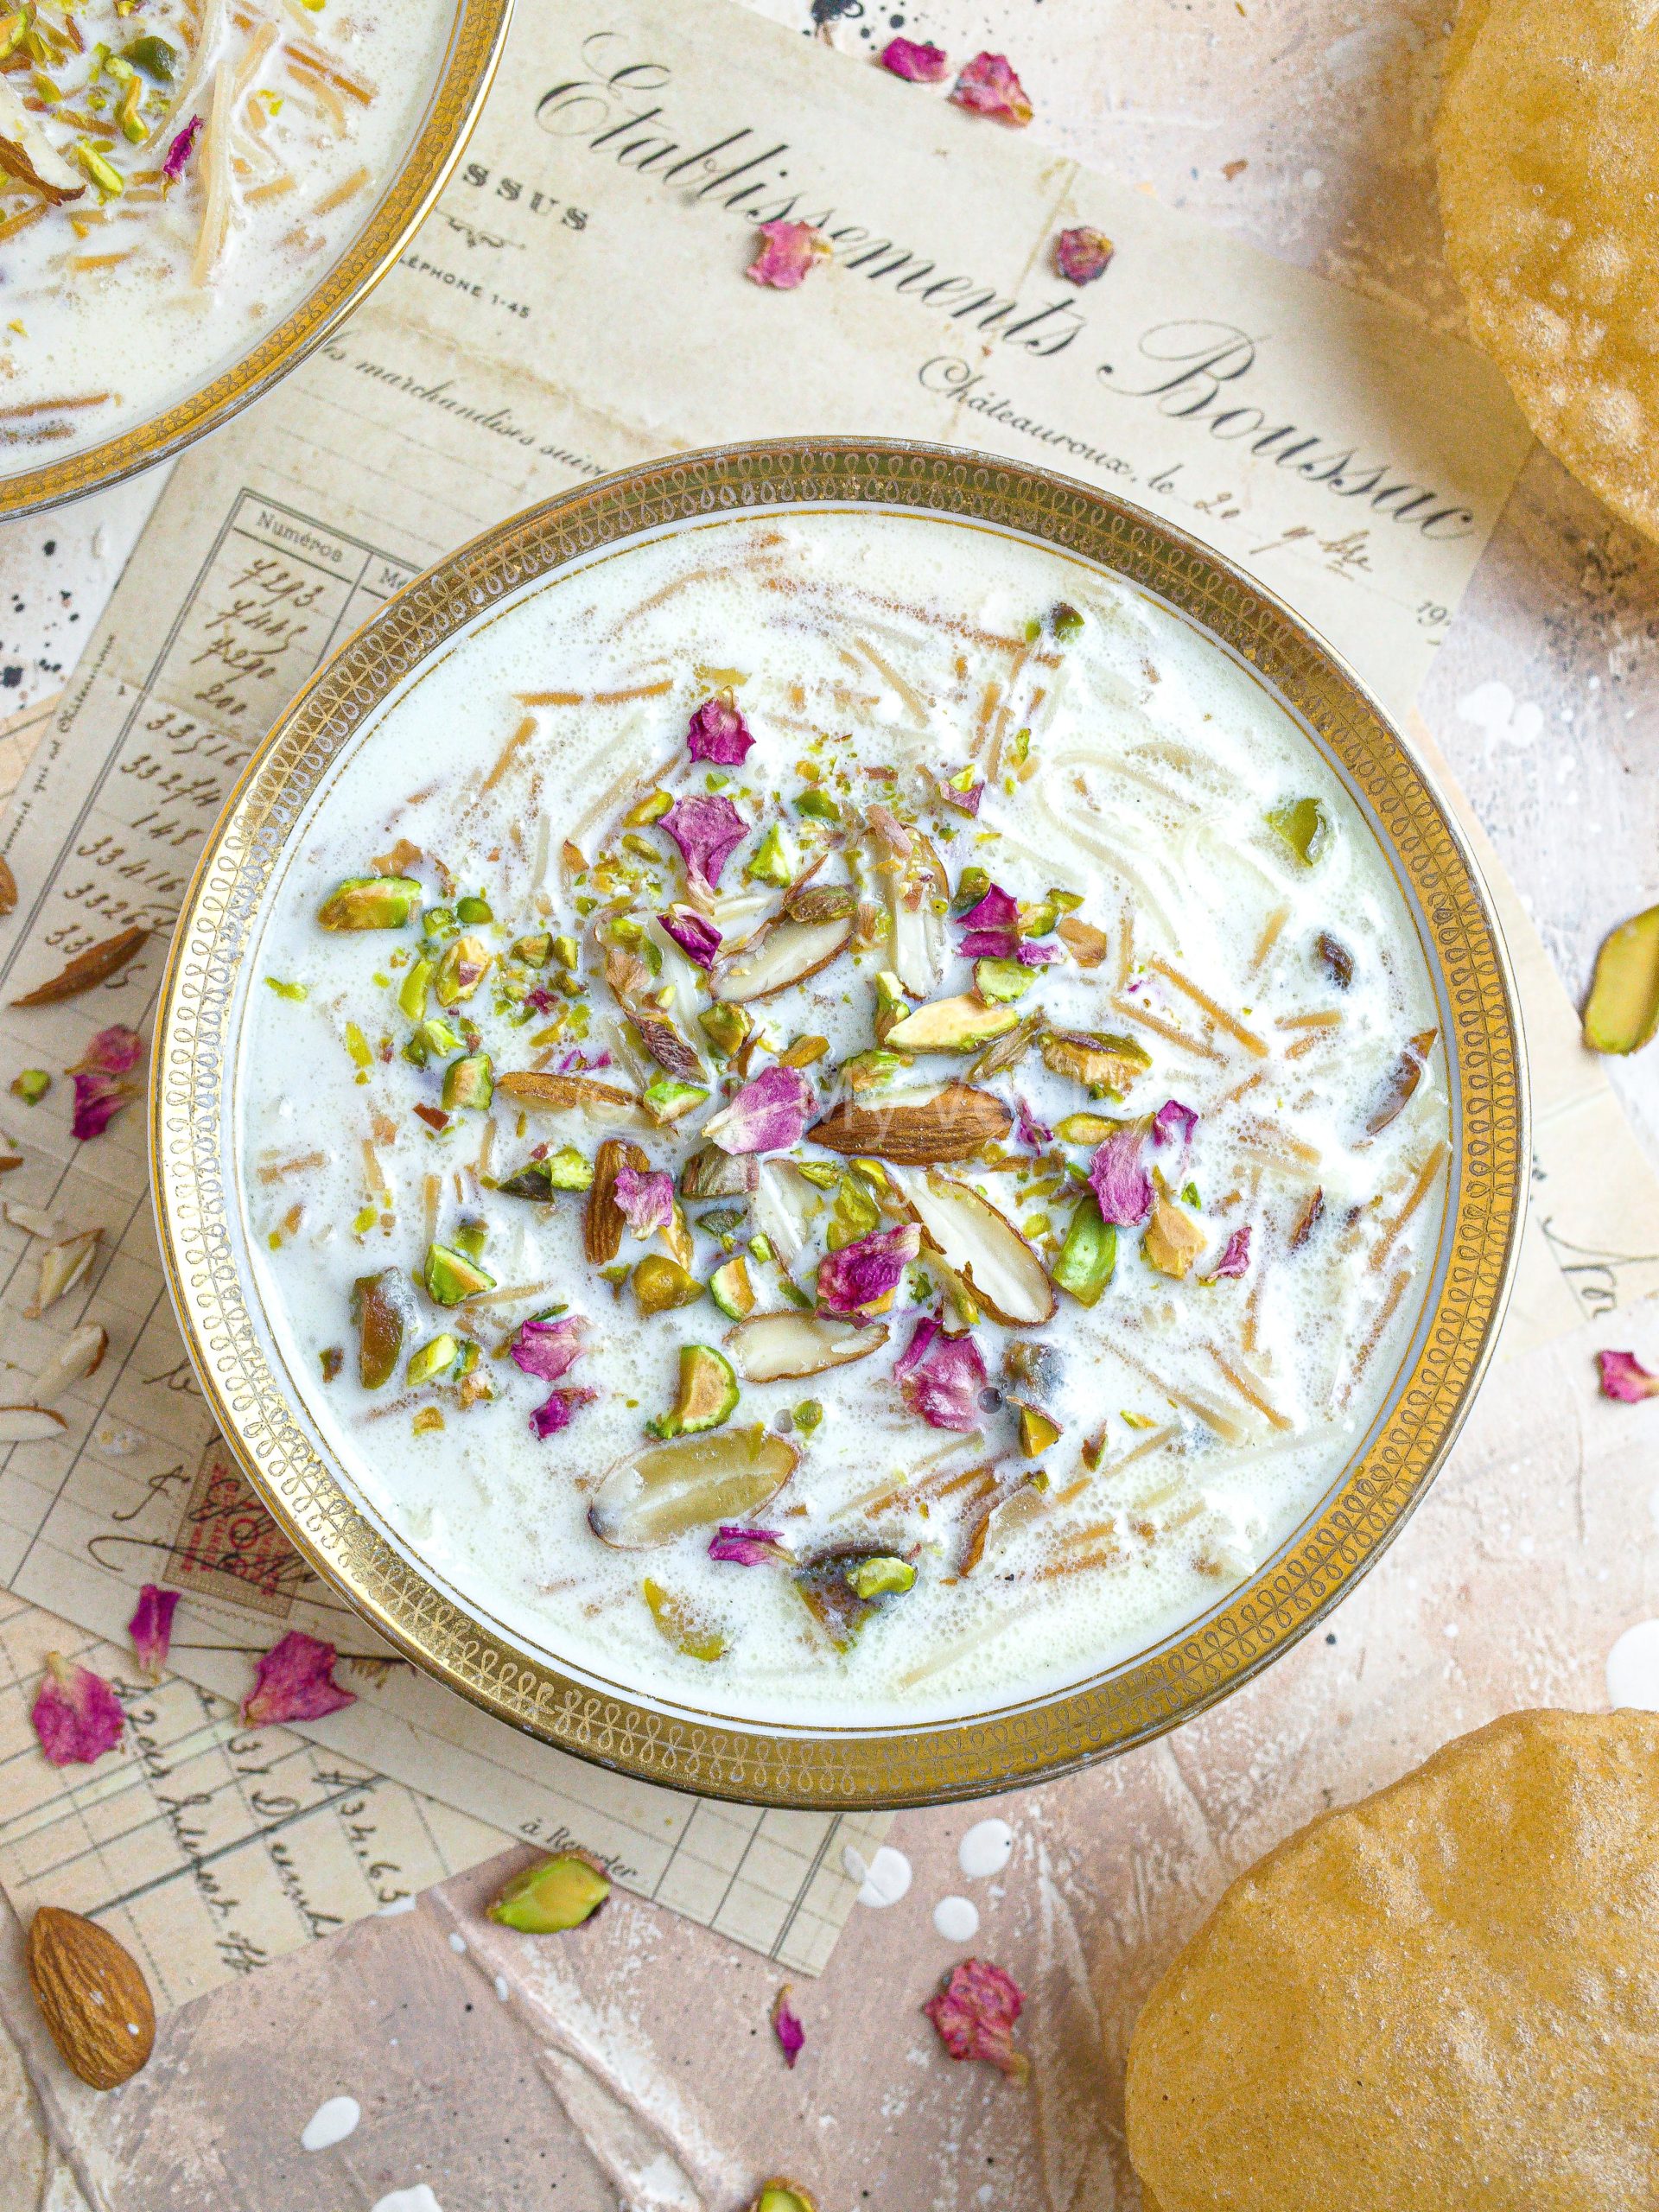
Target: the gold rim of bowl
(475, 44)
(197, 1181)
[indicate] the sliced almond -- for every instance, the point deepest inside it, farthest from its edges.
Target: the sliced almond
(601, 1102)
(785, 955)
(780, 1347)
(603, 1220)
(29, 154)
(782, 1205)
(1007, 1051)
(63, 1265)
(982, 1245)
(821, 902)
(711, 1173)
(34, 1220)
(8, 887)
(917, 1130)
(1015, 1500)
(663, 1491)
(30, 1425)
(80, 1354)
(89, 968)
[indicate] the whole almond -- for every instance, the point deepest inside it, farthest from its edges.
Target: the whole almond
(93, 1997)
(602, 1221)
(953, 1124)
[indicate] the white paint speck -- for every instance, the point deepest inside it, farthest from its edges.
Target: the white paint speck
(957, 1919)
(1493, 707)
(398, 1904)
(501, 1989)
(887, 1879)
(1633, 1668)
(985, 1850)
(458, 1945)
(331, 2123)
(418, 2199)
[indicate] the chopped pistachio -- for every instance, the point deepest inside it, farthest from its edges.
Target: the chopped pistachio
(880, 1577)
(411, 993)
(438, 921)
(1037, 1432)
(818, 1172)
(438, 1353)
(370, 902)
(358, 1046)
(473, 909)
(660, 1284)
(433, 1039)
(564, 1169)
(808, 1415)
(971, 886)
(154, 56)
(818, 806)
(468, 1082)
(536, 951)
(729, 1285)
(955, 1025)
(872, 1070)
(783, 2196)
(331, 1359)
(31, 1086)
(667, 1099)
(365, 1219)
(891, 1004)
(651, 808)
(1190, 1195)
(1098, 1058)
(462, 967)
(999, 980)
(1065, 621)
(804, 1052)
(725, 1026)
(696, 1639)
(1085, 1128)
(451, 1277)
(377, 1310)
(110, 182)
(552, 1897)
(1089, 1255)
(1064, 902)
(1303, 826)
(295, 991)
(856, 1214)
(472, 1237)
(760, 1250)
(426, 1420)
(773, 861)
(707, 1396)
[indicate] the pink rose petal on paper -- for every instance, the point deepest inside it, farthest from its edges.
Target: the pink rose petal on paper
(114, 1050)
(1173, 1123)
(975, 2013)
(786, 2027)
(1237, 1257)
(76, 1714)
(861, 1272)
(748, 1547)
(1119, 1181)
(178, 154)
(916, 63)
(548, 1350)
(151, 1629)
(560, 1409)
(718, 733)
(706, 831)
(1623, 1377)
(941, 1378)
(767, 1115)
(1082, 255)
(644, 1199)
(294, 1681)
(790, 250)
(99, 1099)
(989, 87)
(697, 936)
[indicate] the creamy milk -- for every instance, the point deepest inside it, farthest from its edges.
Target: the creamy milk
(1222, 917)
(173, 181)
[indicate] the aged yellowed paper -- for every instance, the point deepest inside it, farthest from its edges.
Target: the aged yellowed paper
(577, 302)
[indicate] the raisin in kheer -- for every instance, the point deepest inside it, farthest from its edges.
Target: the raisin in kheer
(840, 1115)
(1445, 1998)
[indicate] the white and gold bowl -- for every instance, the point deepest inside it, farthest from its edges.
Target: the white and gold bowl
(206, 1237)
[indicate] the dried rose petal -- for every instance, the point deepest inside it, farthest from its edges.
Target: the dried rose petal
(99, 1099)
(1173, 1122)
(698, 938)
(965, 801)
(1623, 1377)
(179, 153)
(1036, 952)
(718, 733)
(294, 1681)
(941, 1378)
(1236, 1258)
(540, 1001)
(786, 2027)
(151, 1629)
(989, 87)
(1028, 1129)
(748, 1547)
(707, 830)
(548, 1350)
(861, 1272)
(917, 64)
(114, 1050)
(560, 1411)
(989, 944)
(997, 910)
(77, 1715)
(790, 250)
(767, 1115)
(1081, 255)
(1119, 1181)
(975, 2013)
(646, 1200)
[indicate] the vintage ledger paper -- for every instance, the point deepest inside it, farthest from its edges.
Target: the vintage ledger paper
(577, 302)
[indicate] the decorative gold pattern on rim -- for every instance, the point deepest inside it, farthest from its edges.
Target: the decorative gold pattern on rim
(193, 1177)
(475, 44)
